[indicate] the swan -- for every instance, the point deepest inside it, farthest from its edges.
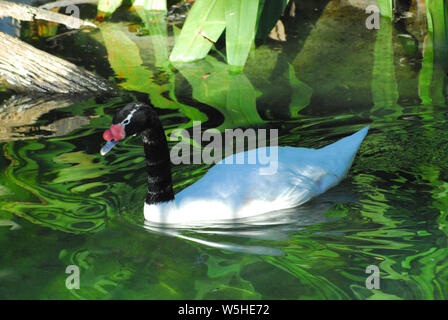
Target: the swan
(229, 191)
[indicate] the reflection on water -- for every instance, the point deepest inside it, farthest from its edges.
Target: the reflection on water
(20, 112)
(273, 226)
(61, 203)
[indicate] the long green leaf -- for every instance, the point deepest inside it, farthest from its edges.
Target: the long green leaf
(202, 28)
(241, 19)
(386, 8)
(437, 13)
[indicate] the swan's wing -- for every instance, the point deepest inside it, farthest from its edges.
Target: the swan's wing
(233, 188)
(291, 177)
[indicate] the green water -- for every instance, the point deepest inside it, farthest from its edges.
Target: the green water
(62, 204)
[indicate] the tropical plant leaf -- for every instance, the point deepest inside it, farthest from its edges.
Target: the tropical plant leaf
(241, 19)
(437, 13)
(386, 8)
(202, 28)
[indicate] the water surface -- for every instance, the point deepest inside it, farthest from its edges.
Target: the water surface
(61, 203)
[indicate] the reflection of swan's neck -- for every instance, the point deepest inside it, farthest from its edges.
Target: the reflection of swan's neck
(160, 186)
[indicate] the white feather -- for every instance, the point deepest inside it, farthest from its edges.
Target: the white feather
(235, 191)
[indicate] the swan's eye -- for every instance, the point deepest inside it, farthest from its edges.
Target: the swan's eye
(116, 132)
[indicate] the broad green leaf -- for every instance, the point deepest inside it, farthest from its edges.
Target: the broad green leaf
(241, 18)
(386, 8)
(202, 28)
(437, 13)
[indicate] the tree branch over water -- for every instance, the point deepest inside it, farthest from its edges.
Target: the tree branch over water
(24, 12)
(25, 68)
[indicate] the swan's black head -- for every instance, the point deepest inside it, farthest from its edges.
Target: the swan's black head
(130, 120)
(139, 118)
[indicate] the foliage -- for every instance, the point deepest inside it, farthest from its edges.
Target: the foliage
(124, 57)
(202, 28)
(70, 202)
(384, 83)
(242, 19)
(386, 8)
(107, 7)
(437, 15)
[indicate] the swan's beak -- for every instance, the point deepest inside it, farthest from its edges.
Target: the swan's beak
(108, 146)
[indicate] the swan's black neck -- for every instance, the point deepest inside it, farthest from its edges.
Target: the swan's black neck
(160, 186)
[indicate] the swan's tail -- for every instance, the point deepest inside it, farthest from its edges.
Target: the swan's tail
(342, 152)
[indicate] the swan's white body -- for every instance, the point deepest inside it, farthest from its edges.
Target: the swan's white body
(234, 191)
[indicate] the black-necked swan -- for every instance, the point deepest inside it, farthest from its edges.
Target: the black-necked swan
(230, 191)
